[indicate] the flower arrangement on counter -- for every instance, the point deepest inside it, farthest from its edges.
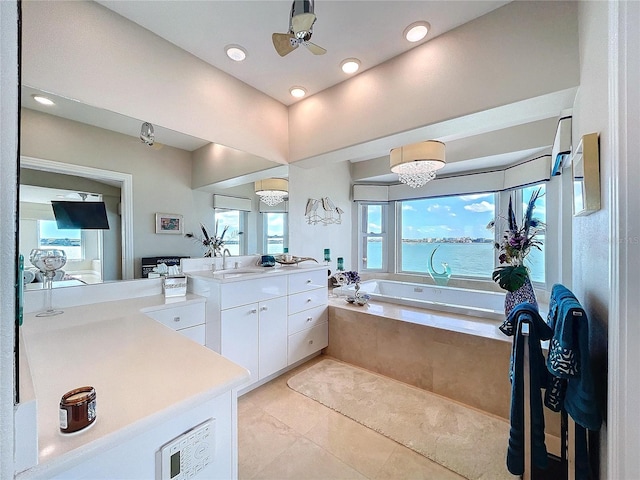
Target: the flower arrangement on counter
(346, 278)
(515, 245)
(214, 244)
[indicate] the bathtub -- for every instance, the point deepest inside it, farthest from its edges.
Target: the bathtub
(477, 303)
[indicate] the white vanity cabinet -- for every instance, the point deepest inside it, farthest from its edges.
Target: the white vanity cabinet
(255, 336)
(265, 322)
(307, 325)
(187, 319)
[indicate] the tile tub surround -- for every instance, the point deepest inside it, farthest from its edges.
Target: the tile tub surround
(461, 358)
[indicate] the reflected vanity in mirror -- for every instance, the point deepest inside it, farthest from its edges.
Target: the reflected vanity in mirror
(585, 168)
(88, 151)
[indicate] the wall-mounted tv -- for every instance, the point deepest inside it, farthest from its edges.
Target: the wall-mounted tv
(80, 215)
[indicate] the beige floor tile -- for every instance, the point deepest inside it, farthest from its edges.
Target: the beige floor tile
(356, 445)
(406, 464)
(297, 411)
(261, 438)
(305, 460)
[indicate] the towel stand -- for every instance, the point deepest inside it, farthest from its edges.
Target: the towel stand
(524, 330)
(567, 424)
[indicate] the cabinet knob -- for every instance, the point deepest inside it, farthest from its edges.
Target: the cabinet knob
(308, 281)
(308, 300)
(310, 342)
(263, 308)
(176, 319)
(253, 310)
(309, 319)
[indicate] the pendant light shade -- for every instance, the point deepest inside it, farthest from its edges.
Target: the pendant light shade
(416, 164)
(272, 191)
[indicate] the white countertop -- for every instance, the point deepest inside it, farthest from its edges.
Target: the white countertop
(244, 273)
(136, 365)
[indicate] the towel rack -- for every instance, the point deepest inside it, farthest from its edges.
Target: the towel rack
(567, 423)
(524, 331)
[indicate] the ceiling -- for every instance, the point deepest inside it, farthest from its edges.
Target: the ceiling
(371, 31)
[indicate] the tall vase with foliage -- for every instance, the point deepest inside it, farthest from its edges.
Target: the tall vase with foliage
(516, 243)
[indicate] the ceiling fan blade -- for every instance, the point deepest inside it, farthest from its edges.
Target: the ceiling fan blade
(283, 44)
(302, 22)
(315, 49)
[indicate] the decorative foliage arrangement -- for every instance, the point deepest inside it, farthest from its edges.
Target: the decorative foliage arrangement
(214, 244)
(345, 278)
(330, 213)
(515, 245)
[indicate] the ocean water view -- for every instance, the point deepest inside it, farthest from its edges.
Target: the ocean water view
(465, 259)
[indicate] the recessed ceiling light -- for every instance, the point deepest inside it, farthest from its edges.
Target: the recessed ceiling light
(416, 31)
(43, 100)
(236, 52)
(297, 92)
(350, 65)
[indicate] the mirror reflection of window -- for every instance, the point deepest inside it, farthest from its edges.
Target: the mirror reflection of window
(235, 220)
(70, 241)
(274, 228)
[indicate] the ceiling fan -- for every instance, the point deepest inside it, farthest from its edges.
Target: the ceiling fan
(300, 29)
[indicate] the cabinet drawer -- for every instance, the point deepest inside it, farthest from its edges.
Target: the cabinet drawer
(306, 342)
(306, 300)
(251, 291)
(307, 319)
(303, 281)
(194, 333)
(180, 317)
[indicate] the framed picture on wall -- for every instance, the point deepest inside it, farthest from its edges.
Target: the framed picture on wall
(168, 223)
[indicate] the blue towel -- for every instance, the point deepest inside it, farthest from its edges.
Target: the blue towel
(538, 331)
(572, 387)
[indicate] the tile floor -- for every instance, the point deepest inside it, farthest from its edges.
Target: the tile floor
(284, 435)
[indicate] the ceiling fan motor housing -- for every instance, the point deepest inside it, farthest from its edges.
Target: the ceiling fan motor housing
(301, 6)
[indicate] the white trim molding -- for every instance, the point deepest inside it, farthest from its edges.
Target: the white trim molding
(623, 416)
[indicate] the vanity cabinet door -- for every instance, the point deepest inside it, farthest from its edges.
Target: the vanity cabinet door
(239, 342)
(273, 336)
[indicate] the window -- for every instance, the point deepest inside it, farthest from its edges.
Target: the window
(373, 236)
(274, 228)
(456, 225)
(235, 220)
(68, 240)
(536, 258)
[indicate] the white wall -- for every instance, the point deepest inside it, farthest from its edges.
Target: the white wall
(119, 66)
(8, 196)
(333, 181)
(591, 240)
(161, 177)
(519, 51)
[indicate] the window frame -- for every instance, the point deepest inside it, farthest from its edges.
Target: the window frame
(364, 235)
(555, 244)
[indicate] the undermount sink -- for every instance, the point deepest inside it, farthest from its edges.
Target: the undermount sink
(238, 272)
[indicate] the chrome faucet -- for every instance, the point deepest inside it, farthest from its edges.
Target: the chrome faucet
(225, 252)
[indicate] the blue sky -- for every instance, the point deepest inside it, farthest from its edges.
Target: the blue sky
(457, 216)
(463, 216)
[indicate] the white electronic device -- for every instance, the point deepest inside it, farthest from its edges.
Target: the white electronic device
(187, 455)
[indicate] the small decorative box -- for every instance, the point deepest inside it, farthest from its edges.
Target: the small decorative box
(175, 286)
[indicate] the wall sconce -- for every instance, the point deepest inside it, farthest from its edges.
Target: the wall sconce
(416, 164)
(272, 191)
